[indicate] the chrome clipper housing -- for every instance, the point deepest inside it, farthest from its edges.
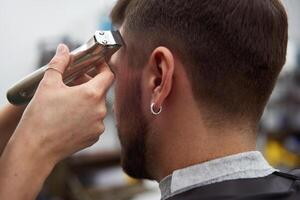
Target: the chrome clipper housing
(84, 59)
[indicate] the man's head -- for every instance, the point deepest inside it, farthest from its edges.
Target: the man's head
(231, 50)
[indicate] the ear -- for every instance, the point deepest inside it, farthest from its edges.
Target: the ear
(160, 77)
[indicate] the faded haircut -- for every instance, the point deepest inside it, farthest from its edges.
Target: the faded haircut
(232, 50)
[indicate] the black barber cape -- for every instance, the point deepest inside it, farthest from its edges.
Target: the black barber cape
(277, 186)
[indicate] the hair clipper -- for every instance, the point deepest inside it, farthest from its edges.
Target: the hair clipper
(83, 60)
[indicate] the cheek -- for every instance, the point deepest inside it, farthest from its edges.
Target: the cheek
(117, 101)
(127, 91)
(120, 95)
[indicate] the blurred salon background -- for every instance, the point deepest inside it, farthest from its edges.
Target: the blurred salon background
(30, 31)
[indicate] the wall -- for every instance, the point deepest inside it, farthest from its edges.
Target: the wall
(23, 24)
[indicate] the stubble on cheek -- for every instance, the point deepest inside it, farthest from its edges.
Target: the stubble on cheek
(132, 131)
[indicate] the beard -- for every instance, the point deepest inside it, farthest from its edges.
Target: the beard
(133, 130)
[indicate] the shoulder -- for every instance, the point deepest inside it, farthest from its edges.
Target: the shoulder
(296, 172)
(292, 175)
(277, 186)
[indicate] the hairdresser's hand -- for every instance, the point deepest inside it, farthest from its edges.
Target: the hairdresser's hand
(59, 121)
(10, 115)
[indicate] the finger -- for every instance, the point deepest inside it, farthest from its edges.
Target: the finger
(58, 64)
(103, 80)
(92, 141)
(80, 80)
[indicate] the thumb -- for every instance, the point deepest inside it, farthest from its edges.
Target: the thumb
(58, 64)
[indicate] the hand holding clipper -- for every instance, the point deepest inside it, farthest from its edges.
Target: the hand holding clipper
(83, 59)
(58, 121)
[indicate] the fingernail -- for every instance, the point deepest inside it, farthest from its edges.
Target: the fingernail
(60, 49)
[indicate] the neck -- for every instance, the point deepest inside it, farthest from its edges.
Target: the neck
(184, 137)
(186, 141)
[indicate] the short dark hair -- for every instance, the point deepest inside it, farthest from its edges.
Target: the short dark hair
(232, 50)
(117, 14)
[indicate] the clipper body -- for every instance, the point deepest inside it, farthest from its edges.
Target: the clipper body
(83, 59)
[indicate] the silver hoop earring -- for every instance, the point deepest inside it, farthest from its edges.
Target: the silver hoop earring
(153, 111)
